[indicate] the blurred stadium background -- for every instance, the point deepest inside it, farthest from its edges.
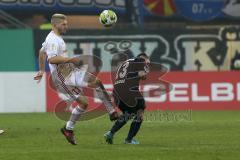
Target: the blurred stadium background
(197, 40)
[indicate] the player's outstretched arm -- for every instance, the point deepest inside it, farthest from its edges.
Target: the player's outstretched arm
(42, 59)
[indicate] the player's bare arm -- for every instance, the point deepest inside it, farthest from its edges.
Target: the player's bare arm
(61, 60)
(42, 58)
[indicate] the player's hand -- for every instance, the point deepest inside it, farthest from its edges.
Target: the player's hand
(147, 62)
(77, 61)
(39, 76)
(142, 73)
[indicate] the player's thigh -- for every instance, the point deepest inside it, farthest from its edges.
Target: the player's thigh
(141, 105)
(77, 78)
(66, 92)
(138, 109)
(80, 98)
(85, 79)
(81, 78)
(72, 93)
(126, 109)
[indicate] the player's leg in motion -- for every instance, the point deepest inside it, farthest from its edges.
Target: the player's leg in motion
(77, 112)
(135, 113)
(134, 128)
(94, 82)
(121, 121)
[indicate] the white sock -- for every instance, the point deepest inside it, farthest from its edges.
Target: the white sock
(106, 100)
(70, 125)
(76, 114)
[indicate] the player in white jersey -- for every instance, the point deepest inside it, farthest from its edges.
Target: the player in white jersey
(65, 74)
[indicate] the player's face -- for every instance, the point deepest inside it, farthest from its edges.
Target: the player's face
(147, 60)
(62, 26)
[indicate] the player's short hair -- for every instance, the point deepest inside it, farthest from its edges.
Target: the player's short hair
(57, 17)
(142, 55)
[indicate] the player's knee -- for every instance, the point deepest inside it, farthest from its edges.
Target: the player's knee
(83, 102)
(138, 119)
(140, 115)
(84, 105)
(141, 118)
(124, 118)
(97, 83)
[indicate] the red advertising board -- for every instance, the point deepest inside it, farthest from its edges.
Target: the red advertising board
(190, 90)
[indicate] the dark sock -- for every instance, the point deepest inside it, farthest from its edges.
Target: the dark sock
(134, 128)
(122, 120)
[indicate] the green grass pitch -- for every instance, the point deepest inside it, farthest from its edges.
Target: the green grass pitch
(207, 135)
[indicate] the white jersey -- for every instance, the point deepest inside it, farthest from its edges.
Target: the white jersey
(64, 75)
(54, 45)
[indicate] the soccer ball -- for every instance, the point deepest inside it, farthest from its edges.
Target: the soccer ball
(237, 64)
(1, 131)
(108, 18)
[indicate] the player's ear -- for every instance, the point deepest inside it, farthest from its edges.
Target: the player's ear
(147, 61)
(143, 77)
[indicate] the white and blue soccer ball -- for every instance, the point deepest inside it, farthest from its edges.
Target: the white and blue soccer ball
(108, 18)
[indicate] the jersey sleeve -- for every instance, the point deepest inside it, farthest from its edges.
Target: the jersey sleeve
(132, 75)
(51, 48)
(43, 48)
(136, 66)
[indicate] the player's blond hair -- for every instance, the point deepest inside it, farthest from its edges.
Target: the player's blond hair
(56, 18)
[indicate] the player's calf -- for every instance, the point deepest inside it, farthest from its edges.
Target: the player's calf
(135, 126)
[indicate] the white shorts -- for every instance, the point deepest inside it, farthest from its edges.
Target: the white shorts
(76, 78)
(70, 88)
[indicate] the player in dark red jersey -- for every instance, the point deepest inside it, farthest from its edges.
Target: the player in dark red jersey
(128, 97)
